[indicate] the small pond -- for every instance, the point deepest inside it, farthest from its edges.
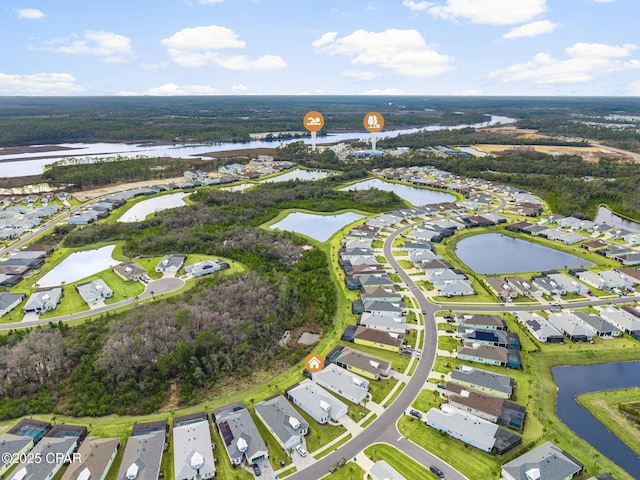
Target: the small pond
(79, 265)
(413, 195)
(139, 211)
(299, 174)
(496, 253)
(318, 227)
(576, 380)
(607, 216)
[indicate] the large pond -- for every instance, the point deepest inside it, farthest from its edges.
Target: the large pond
(607, 216)
(299, 174)
(413, 195)
(318, 227)
(496, 253)
(139, 211)
(79, 265)
(576, 380)
(32, 163)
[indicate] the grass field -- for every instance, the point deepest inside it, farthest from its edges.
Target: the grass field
(405, 465)
(380, 388)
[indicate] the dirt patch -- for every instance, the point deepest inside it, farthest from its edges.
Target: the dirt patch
(172, 400)
(243, 153)
(588, 154)
(121, 187)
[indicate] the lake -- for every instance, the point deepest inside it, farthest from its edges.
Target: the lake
(80, 265)
(413, 195)
(576, 380)
(607, 216)
(496, 253)
(318, 227)
(298, 174)
(32, 163)
(139, 211)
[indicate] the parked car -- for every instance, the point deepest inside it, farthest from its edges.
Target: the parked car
(450, 331)
(437, 471)
(301, 450)
(442, 385)
(256, 469)
(415, 413)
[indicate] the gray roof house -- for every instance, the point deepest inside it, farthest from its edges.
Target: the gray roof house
(43, 300)
(317, 402)
(362, 364)
(568, 283)
(12, 445)
(346, 384)
(568, 324)
(387, 323)
(482, 321)
(282, 420)
(597, 325)
(384, 308)
(143, 453)
(539, 327)
(625, 321)
(381, 470)
(170, 263)
(96, 457)
(239, 434)
(9, 301)
(484, 381)
(93, 291)
(546, 462)
(192, 448)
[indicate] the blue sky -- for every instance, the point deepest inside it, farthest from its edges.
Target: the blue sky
(333, 47)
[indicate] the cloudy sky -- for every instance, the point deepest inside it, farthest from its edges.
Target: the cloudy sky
(350, 47)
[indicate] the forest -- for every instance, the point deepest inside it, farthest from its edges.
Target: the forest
(219, 329)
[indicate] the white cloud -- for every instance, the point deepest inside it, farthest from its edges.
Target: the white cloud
(169, 89)
(585, 62)
(403, 52)
(361, 75)
(492, 12)
(385, 91)
(39, 84)
(239, 88)
(209, 2)
(604, 1)
(199, 46)
(154, 66)
(633, 88)
(30, 13)
(531, 29)
(110, 47)
(417, 6)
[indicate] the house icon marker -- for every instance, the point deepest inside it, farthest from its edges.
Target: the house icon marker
(314, 363)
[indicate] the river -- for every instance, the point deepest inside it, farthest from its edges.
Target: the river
(576, 380)
(22, 164)
(607, 216)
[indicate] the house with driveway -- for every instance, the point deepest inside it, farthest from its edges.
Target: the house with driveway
(539, 327)
(597, 325)
(360, 363)
(282, 420)
(192, 447)
(569, 284)
(484, 381)
(170, 263)
(383, 340)
(545, 462)
(9, 301)
(143, 453)
(623, 319)
(342, 382)
(240, 434)
(386, 323)
(43, 300)
(316, 402)
(92, 292)
(499, 356)
(481, 321)
(568, 324)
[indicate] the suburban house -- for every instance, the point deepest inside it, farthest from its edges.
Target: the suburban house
(500, 356)
(143, 454)
(495, 338)
(342, 382)
(9, 301)
(499, 287)
(381, 294)
(568, 324)
(568, 283)
(360, 363)
(455, 288)
(170, 263)
(381, 470)
(375, 279)
(129, 271)
(282, 420)
(539, 327)
(481, 321)
(240, 434)
(488, 407)
(92, 292)
(597, 325)
(593, 279)
(472, 430)
(316, 402)
(484, 381)
(387, 323)
(206, 267)
(12, 446)
(625, 321)
(546, 462)
(378, 339)
(384, 308)
(96, 457)
(548, 286)
(60, 442)
(523, 287)
(43, 300)
(192, 452)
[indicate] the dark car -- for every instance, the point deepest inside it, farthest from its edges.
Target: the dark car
(256, 469)
(415, 413)
(437, 471)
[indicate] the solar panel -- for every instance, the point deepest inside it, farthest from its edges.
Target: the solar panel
(225, 431)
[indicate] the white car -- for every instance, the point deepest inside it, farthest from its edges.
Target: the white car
(300, 449)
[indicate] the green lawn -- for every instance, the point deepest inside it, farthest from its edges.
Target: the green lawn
(395, 395)
(350, 471)
(276, 452)
(427, 399)
(405, 465)
(380, 388)
(398, 362)
(369, 421)
(319, 435)
(333, 447)
(70, 302)
(448, 344)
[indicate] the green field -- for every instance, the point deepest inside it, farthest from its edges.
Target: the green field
(405, 465)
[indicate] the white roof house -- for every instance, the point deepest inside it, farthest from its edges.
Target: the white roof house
(284, 422)
(43, 300)
(463, 426)
(387, 323)
(317, 402)
(346, 384)
(381, 470)
(546, 462)
(91, 292)
(192, 452)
